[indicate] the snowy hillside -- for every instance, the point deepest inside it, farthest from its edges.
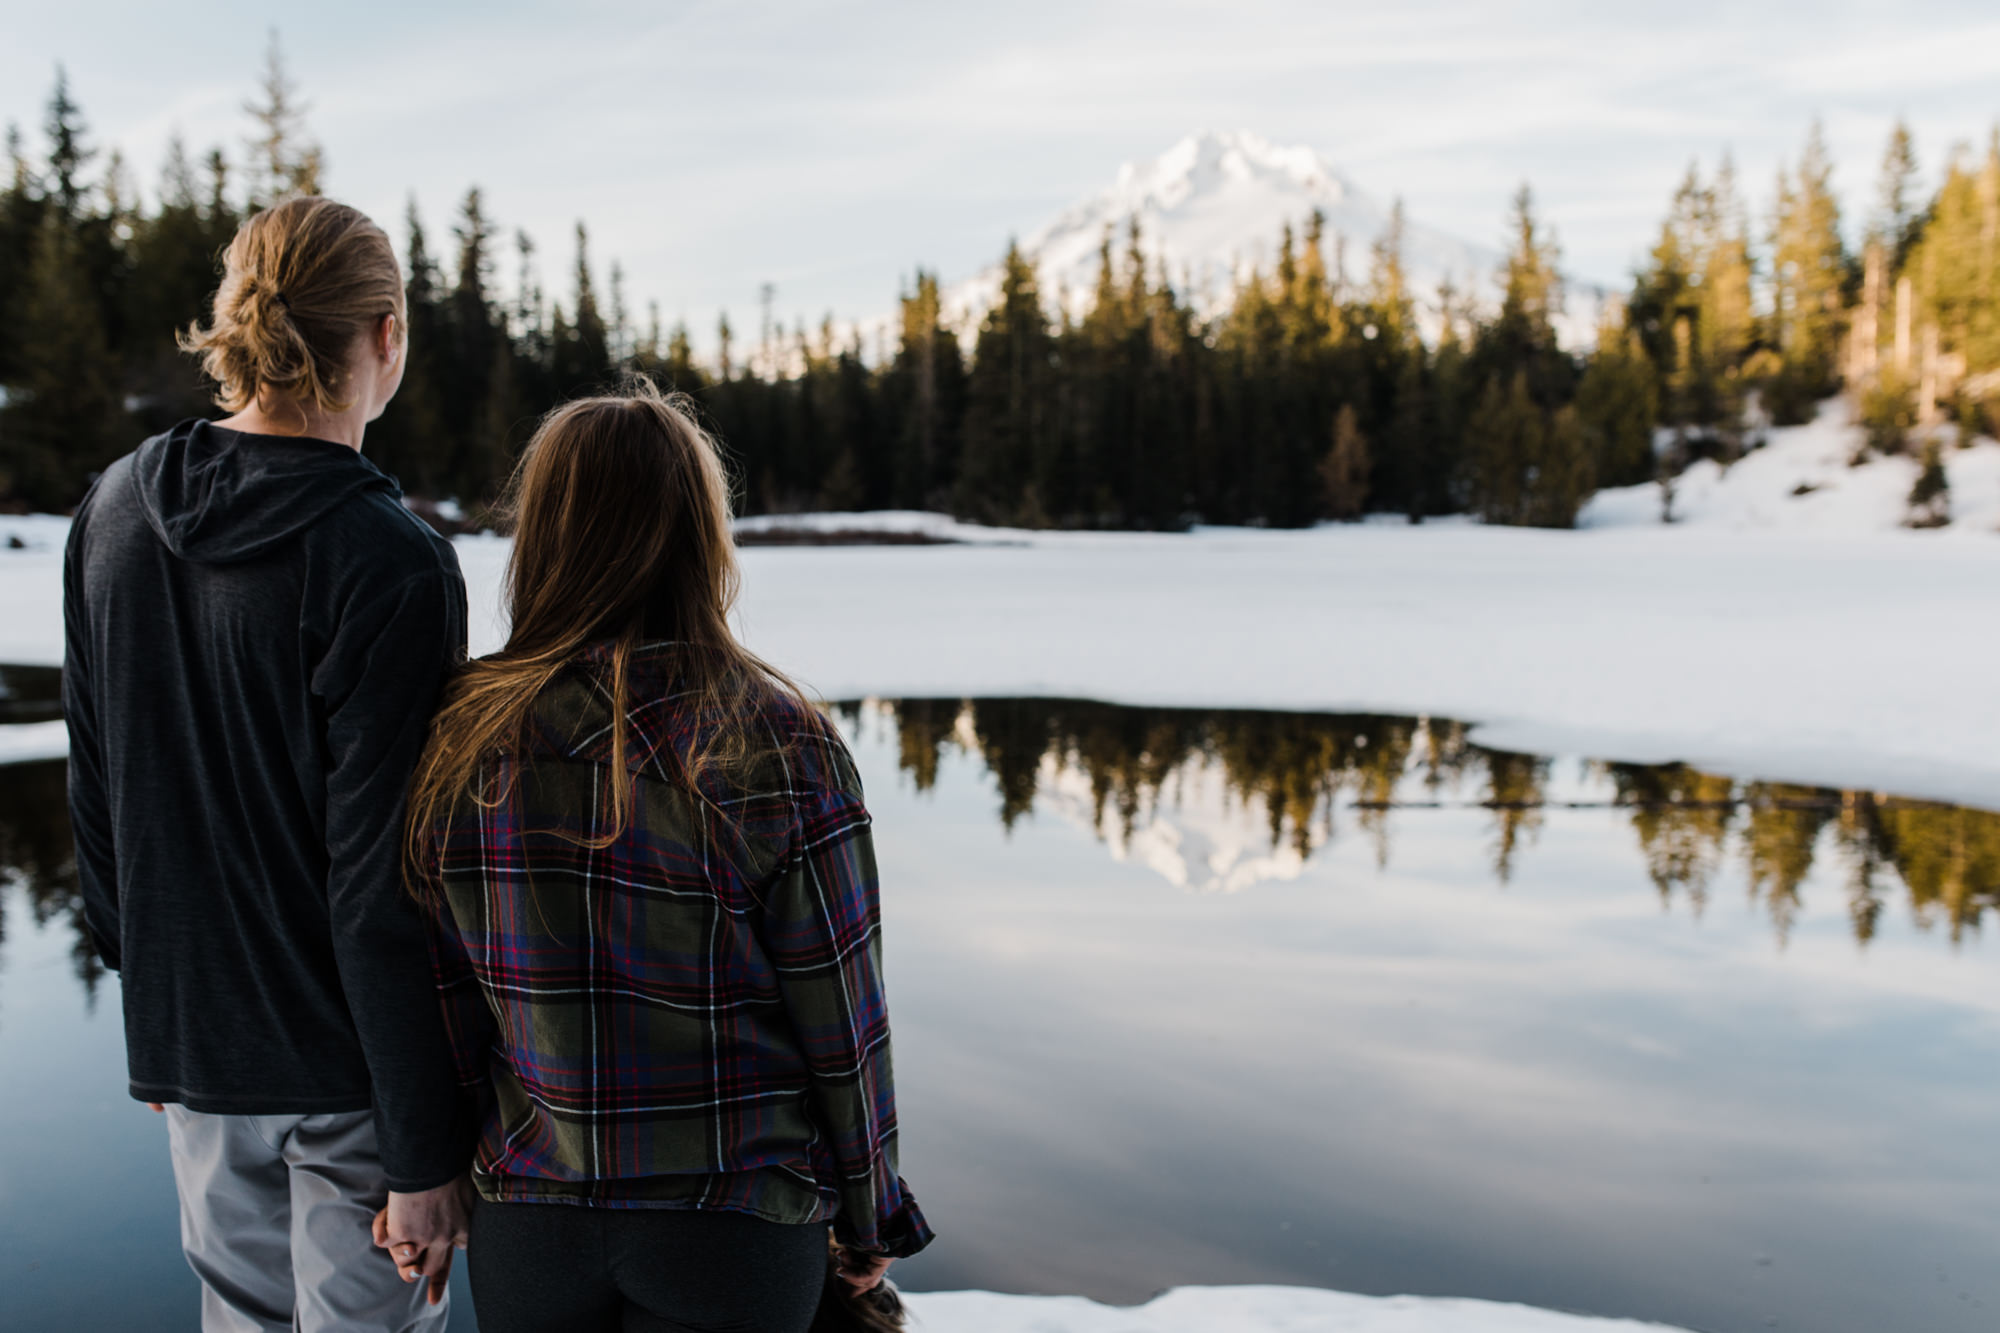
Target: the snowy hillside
(1212, 207)
(1802, 481)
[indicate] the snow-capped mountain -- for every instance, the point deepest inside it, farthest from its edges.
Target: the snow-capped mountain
(1212, 207)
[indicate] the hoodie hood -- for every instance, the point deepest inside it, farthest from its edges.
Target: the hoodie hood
(216, 496)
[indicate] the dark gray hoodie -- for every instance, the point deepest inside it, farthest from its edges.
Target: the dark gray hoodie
(257, 634)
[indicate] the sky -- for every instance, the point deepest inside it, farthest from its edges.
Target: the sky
(829, 149)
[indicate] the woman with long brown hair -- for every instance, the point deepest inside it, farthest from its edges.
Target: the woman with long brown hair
(655, 895)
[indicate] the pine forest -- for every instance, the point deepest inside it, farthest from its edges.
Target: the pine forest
(1306, 398)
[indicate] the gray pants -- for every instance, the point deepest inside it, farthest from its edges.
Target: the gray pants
(275, 1217)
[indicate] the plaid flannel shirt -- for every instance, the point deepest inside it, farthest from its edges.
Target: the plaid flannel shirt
(692, 1016)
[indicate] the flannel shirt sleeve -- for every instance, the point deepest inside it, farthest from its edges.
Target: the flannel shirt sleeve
(824, 935)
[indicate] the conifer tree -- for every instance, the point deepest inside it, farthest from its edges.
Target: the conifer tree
(410, 440)
(1388, 297)
(283, 160)
(1617, 403)
(1808, 279)
(1956, 262)
(68, 151)
(63, 420)
(479, 376)
(173, 257)
(924, 393)
(1897, 215)
(1725, 320)
(1414, 460)
(1007, 400)
(1930, 498)
(1344, 470)
(21, 208)
(582, 351)
(1527, 458)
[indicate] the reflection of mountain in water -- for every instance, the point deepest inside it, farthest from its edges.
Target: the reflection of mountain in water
(1220, 799)
(1203, 836)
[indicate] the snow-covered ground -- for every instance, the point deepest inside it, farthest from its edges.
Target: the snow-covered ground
(31, 741)
(1246, 1310)
(1801, 481)
(1843, 652)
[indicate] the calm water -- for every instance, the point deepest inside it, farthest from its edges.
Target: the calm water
(1212, 997)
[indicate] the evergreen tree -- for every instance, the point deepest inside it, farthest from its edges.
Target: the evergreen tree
(1527, 458)
(924, 399)
(68, 153)
(1725, 321)
(1389, 297)
(1930, 498)
(283, 161)
(1956, 263)
(1809, 277)
(1617, 403)
(1897, 216)
(63, 420)
(1344, 470)
(1007, 399)
(582, 349)
(21, 208)
(479, 363)
(411, 440)
(174, 261)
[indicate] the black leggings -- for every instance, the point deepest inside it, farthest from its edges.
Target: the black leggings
(553, 1268)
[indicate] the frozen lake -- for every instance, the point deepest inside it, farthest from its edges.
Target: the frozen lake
(1196, 997)
(1677, 1043)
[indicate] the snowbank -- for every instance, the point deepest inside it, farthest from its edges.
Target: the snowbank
(32, 533)
(1845, 658)
(1247, 1310)
(32, 741)
(1801, 481)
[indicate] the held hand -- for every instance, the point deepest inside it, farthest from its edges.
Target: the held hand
(421, 1230)
(862, 1270)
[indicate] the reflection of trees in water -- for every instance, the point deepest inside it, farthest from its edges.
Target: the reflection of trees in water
(1682, 817)
(1298, 766)
(36, 853)
(1514, 785)
(1948, 856)
(1783, 832)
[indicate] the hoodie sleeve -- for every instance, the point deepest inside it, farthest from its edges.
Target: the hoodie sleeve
(89, 802)
(379, 683)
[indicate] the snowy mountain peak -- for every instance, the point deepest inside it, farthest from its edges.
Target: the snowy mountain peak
(1210, 209)
(1215, 160)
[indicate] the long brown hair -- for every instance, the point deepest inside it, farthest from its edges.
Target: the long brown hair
(302, 282)
(621, 512)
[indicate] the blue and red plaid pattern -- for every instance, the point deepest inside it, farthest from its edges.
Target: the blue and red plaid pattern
(692, 1015)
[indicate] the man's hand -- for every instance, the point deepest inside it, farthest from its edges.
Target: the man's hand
(862, 1270)
(420, 1231)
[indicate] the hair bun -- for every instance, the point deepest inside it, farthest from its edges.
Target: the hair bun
(337, 263)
